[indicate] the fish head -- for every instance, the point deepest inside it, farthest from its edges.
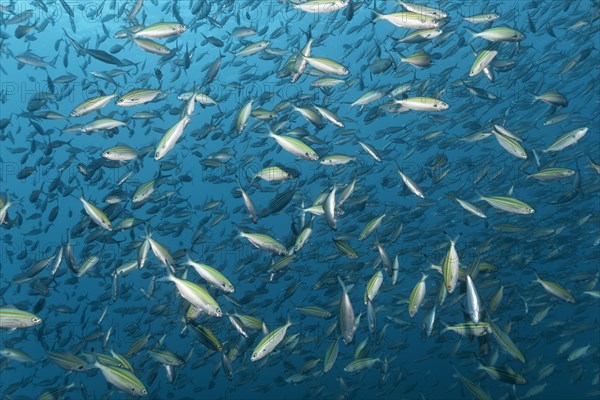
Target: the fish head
(139, 392)
(581, 132)
(441, 106)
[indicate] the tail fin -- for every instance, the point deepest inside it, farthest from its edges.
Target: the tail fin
(378, 15)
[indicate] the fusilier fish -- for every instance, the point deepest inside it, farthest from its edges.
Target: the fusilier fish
(270, 342)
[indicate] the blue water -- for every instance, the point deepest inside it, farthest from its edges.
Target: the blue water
(561, 240)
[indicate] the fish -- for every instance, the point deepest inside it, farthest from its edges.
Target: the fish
(504, 375)
(549, 174)
(473, 302)
(346, 316)
(472, 387)
(331, 356)
(138, 96)
(408, 19)
(321, 6)
(329, 209)
(161, 30)
(568, 139)
(555, 289)
(242, 118)
(511, 145)
(295, 146)
(123, 379)
(501, 34)
(416, 296)
(121, 153)
(91, 105)
(427, 104)
(96, 214)
(269, 342)
(553, 98)
(450, 270)
(506, 343)
(508, 204)
(326, 65)
(471, 208)
(482, 18)
(165, 357)
(373, 286)
(212, 276)
(483, 59)
(195, 295)
(361, 364)
(13, 318)
(170, 138)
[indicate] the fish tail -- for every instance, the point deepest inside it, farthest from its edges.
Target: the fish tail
(474, 34)
(479, 195)
(341, 283)
(376, 15)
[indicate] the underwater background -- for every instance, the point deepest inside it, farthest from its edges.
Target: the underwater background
(370, 83)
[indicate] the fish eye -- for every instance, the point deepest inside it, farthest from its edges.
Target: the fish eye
(36, 319)
(144, 392)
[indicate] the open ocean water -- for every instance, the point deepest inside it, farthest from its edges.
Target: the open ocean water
(287, 200)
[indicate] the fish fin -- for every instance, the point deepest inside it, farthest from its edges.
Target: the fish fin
(480, 197)
(473, 33)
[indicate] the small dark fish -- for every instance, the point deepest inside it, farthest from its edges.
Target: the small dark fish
(279, 202)
(25, 172)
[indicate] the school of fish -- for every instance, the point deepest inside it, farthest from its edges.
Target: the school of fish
(299, 199)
